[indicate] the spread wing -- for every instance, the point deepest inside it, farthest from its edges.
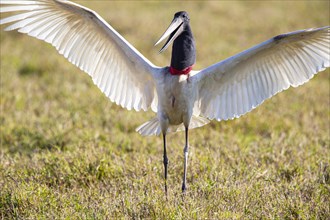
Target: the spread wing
(237, 85)
(87, 41)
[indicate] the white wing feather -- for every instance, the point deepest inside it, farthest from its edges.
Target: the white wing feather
(87, 41)
(237, 85)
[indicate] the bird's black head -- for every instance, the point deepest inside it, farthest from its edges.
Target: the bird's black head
(183, 15)
(179, 32)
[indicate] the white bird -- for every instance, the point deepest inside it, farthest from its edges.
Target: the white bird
(182, 98)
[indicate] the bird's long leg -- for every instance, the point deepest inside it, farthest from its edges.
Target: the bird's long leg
(185, 151)
(165, 163)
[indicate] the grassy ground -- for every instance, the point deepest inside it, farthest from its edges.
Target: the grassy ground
(68, 153)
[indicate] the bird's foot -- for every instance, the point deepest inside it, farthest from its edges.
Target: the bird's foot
(184, 188)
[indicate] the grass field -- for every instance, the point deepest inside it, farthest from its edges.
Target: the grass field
(67, 152)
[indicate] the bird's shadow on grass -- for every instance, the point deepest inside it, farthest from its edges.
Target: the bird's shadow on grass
(30, 69)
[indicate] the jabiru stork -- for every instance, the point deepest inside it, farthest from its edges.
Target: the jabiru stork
(182, 98)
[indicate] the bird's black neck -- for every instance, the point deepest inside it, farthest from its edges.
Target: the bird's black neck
(183, 50)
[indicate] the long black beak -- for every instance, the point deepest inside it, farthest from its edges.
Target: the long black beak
(174, 30)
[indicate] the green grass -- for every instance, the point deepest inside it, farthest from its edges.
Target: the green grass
(67, 152)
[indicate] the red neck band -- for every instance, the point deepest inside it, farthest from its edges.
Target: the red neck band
(185, 71)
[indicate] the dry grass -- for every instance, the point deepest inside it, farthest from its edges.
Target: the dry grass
(68, 153)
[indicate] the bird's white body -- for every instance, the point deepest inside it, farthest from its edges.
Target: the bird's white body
(177, 107)
(176, 98)
(176, 95)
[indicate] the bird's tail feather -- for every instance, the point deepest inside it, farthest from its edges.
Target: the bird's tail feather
(152, 127)
(149, 128)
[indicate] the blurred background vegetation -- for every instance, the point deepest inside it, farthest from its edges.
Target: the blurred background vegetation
(68, 152)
